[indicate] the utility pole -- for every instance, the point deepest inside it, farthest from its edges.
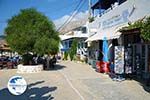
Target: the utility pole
(89, 8)
(100, 8)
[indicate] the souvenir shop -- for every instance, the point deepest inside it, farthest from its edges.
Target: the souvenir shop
(136, 54)
(126, 53)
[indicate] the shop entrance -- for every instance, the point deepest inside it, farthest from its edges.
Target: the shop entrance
(140, 60)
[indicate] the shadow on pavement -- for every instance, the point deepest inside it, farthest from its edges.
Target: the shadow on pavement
(144, 84)
(145, 87)
(32, 93)
(57, 67)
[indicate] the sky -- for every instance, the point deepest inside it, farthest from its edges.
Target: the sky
(55, 10)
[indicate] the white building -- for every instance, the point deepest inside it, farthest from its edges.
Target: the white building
(79, 33)
(114, 18)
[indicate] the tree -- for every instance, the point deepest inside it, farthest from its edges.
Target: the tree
(66, 55)
(91, 19)
(31, 31)
(73, 49)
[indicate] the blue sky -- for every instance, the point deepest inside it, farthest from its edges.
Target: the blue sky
(54, 9)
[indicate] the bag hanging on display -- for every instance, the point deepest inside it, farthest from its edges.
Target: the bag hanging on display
(119, 60)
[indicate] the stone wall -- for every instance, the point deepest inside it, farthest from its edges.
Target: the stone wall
(29, 68)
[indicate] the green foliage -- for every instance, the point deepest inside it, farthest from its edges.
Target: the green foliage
(137, 24)
(31, 31)
(143, 25)
(66, 55)
(73, 49)
(91, 19)
(146, 29)
(46, 46)
(71, 55)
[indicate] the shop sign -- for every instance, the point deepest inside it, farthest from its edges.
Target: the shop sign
(116, 20)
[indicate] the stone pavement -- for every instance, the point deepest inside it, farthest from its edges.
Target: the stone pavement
(72, 81)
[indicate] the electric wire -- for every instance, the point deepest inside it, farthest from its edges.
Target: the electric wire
(78, 7)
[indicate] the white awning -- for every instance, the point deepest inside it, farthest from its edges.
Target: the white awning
(65, 37)
(110, 33)
(81, 35)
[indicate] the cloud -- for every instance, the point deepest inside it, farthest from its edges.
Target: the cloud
(79, 16)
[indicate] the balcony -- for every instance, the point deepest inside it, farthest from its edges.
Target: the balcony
(103, 6)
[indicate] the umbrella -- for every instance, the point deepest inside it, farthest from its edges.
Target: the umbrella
(105, 50)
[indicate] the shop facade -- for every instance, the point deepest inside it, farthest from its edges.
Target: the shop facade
(130, 43)
(137, 54)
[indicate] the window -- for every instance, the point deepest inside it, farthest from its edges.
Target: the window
(65, 44)
(79, 45)
(85, 45)
(84, 30)
(70, 43)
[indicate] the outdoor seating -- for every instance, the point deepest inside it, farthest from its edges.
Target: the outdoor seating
(4, 64)
(7, 62)
(1, 64)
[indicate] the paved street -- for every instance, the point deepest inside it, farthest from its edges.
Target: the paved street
(73, 81)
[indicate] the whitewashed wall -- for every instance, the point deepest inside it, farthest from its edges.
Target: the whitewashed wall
(137, 9)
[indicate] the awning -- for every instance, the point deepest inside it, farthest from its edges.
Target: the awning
(81, 35)
(110, 33)
(65, 37)
(5, 49)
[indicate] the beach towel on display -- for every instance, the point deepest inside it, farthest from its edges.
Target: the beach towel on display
(119, 60)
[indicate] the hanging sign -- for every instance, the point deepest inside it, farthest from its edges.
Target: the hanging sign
(116, 20)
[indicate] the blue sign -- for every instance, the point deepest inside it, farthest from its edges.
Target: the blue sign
(116, 20)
